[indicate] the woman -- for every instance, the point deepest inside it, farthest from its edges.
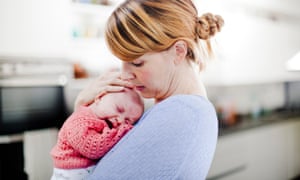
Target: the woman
(162, 44)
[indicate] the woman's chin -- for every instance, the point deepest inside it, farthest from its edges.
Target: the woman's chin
(142, 90)
(147, 96)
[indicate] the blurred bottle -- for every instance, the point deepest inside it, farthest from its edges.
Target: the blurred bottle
(256, 108)
(226, 111)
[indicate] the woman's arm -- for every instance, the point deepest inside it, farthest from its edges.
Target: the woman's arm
(172, 141)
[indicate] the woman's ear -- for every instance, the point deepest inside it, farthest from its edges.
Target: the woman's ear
(180, 51)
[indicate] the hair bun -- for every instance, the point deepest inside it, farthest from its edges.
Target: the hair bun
(208, 25)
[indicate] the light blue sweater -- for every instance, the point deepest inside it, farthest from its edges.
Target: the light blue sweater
(175, 139)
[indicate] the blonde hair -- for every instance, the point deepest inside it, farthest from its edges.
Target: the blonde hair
(137, 27)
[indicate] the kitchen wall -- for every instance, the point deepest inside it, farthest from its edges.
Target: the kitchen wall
(34, 27)
(257, 40)
(46, 28)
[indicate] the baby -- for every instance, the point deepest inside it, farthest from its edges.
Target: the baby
(91, 131)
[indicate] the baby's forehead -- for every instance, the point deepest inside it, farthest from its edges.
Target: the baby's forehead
(131, 92)
(133, 96)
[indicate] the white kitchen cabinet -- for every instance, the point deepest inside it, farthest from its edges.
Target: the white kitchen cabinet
(37, 147)
(230, 160)
(267, 154)
(262, 153)
(293, 150)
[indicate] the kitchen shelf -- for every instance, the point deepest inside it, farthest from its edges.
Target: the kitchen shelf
(87, 34)
(88, 19)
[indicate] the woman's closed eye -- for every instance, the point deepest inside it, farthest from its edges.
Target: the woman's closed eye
(137, 64)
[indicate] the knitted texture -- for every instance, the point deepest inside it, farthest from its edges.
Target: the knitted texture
(84, 139)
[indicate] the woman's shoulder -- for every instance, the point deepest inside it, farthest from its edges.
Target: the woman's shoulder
(183, 108)
(180, 103)
(187, 99)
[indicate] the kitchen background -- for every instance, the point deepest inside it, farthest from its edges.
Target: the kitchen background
(51, 49)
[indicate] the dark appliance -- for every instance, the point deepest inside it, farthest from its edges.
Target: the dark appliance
(292, 96)
(30, 107)
(31, 97)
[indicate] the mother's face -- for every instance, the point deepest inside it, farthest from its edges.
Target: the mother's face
(152, 74)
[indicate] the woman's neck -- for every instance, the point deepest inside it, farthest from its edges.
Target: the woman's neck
(186, 81)
(191, 83)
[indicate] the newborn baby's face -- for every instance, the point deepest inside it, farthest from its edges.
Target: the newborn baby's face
(127, 114)
(119, 108)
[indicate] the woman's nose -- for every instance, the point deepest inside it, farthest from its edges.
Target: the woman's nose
(127, 76)
(126, 73)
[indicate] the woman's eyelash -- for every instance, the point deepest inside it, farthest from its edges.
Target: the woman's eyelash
(137, 64)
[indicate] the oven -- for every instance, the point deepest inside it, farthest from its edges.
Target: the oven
(31, 97)
(32, 93)
(28, 105)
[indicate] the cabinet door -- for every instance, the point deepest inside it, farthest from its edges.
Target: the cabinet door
(230, 161)
(37, 147)
(263, 153)
(294, 149)
(267, 155)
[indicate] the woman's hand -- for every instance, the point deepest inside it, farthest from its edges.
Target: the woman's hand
(108, 82)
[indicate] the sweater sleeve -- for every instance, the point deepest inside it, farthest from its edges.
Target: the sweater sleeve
(174, 140)
(92, 137)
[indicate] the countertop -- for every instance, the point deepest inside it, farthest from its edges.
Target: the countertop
(246, 123)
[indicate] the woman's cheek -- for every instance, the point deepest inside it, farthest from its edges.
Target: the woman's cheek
(145, 77)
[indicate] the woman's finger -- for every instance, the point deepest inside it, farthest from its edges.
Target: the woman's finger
(109, 89)
(121, 82)
(103, 84)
